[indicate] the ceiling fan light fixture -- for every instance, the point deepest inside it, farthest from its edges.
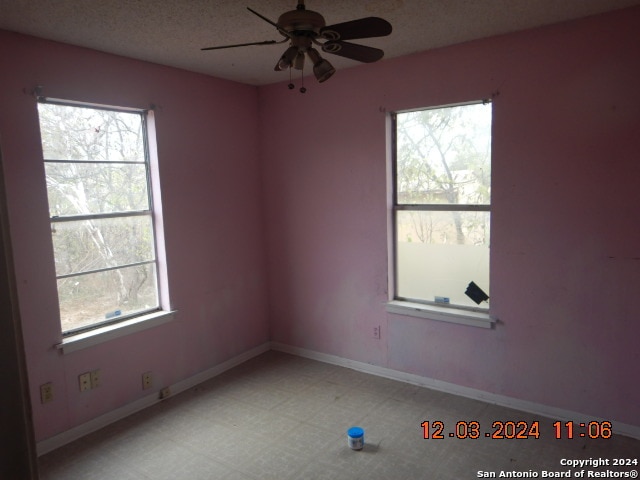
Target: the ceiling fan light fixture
(302, 28)
(287, 59)
(298, 63)
(322, 69)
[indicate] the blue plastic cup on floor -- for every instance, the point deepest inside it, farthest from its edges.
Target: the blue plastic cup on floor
(355, 438)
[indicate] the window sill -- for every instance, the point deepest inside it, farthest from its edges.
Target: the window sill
(442, 314)
(104, 334)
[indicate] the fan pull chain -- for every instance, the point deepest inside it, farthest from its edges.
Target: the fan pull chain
(302, 89)
(291, 85)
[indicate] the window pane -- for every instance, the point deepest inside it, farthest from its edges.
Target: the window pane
(97, 168)
(97, 297)
(102, 243)
(444, 156)
(78, 133)
(91, 188)
(439, 253)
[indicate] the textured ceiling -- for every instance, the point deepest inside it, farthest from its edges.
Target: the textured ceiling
(171, 32)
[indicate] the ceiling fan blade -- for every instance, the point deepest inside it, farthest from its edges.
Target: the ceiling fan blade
(362, 28)
(263, 17)
(266, 42)
(282, 32)
(353, 51)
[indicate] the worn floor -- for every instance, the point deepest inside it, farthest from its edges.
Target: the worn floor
(284, 417)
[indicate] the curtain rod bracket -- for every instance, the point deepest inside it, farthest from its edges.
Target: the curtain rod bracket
(35, 92)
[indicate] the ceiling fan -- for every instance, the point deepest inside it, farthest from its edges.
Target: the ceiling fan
(304, 28)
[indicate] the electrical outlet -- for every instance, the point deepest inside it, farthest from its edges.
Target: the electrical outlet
(46, 392)
(147, 380)
(95, 379)
(376, 332)
(84, 381)
(164, 393)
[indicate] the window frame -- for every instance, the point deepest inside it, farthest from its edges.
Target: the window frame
(461, 314)
(86, 335)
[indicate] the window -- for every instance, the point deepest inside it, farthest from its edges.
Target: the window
(102, 225)
(441, 205)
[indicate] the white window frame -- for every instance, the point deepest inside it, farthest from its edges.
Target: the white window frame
(459, 314)
(120, 325)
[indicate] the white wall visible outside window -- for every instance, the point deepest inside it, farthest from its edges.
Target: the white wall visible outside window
(100, 204)
(442, 198)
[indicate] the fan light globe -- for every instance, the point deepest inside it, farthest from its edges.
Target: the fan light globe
(298, 63)
(322, 69)
(287, 59)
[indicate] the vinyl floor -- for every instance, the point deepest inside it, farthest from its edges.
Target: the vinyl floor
(280, 416)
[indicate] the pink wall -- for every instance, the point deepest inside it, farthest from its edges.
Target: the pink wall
(307, 176)
(565, 244)
(210, 182)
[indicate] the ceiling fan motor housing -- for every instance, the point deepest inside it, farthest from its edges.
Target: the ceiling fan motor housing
(303, 22)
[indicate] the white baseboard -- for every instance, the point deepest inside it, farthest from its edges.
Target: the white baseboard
(504, 401)
(68, 436)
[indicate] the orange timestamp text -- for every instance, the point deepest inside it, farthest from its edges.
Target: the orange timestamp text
(500, 429)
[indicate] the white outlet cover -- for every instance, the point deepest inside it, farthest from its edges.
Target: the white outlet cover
(84, 381)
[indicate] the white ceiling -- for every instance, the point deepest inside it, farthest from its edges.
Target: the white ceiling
(171, 32)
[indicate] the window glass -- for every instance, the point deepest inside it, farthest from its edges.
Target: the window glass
(444, 155)
(442, 196)
(83, 188)
(439, 253)
(97, 175)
